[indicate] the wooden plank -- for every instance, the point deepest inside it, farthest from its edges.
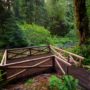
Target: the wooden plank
(14, 75)
(86, 66)
(5, 57)
(14, 52)
(55, 52)
(60, 59)
(60, 67)
(18, 54)
(3, 61)
(80, 57)
(72, 60)
(28, 67)
(39, 50)
(31, 60)
(40, 63)
(26, 48)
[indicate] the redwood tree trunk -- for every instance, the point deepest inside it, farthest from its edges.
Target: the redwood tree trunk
(82, 21)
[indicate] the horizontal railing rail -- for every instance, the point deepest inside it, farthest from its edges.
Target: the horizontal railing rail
(67, 56)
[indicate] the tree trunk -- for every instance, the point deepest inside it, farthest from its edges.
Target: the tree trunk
(82, 21)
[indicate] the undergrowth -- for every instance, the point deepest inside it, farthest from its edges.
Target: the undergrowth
(67, 82)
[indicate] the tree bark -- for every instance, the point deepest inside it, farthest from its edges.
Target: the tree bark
(82, 21)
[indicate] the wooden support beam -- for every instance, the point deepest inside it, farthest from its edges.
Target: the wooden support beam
(40, 63)
(71, 59)
(14, 75)
(60, 67)
(3, 61)
(65, 62)
(75, 55)
(26, 48)
(58, 54)
(18, 54)
(28, 67)
(31, 60)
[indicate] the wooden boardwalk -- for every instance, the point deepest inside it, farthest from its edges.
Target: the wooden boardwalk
(24, 62)
(82, 75)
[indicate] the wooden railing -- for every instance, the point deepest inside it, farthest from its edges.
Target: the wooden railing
(10, 54)
(28, 67)
(67, 56)
(27, 51)
(57, 59)
(4, 58)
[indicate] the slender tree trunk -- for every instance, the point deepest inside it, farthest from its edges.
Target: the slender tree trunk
(82, 21)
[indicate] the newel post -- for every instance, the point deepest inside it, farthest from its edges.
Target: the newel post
(67, 71)
(3, 76)
(30, 51)
(49, 48)
(53, 63)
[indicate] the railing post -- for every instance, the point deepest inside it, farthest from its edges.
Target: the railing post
(3, 77)
(6, 54)
(68, 66)
(6, 57)
(80, 63)
(53, 63)
(30, 50)
(49, 48)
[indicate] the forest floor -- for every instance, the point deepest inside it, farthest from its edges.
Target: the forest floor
(40, 82)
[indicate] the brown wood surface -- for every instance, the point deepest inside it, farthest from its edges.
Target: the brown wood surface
(40, 59)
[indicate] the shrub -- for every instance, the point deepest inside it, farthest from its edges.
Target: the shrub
(70, 83)
(67, 82)
(83, 51)
(55, 83)
(2, 82)
(11, 35)
(30, 81)
(34, 34)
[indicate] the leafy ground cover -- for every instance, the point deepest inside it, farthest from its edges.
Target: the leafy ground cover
(48, 82)
(52, 82)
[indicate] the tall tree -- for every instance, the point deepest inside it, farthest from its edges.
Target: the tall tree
(57, 10)
(10, 34)
(82, 21)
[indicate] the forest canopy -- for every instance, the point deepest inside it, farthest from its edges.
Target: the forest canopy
(53, 16)
(42, 22)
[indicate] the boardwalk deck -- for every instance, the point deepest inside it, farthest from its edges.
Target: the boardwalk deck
(22, 62)
(82, 75)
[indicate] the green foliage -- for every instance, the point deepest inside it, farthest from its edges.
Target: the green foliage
(31, 11)
(67, 82)
(57, 24)
(70, 82)
(34, 34)
(11, 35)
(88, 10)
(1, 54)
(29, 82)
(38, 35)
(83, 51)
(56, 8)
(1, 77)
(62, 21)
(1, 80)
(55, 83)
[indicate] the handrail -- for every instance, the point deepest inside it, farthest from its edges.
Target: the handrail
(4, 58)
(30, 60)
(27, 47)
(58, 54)
(65, 62)
(75, 55)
